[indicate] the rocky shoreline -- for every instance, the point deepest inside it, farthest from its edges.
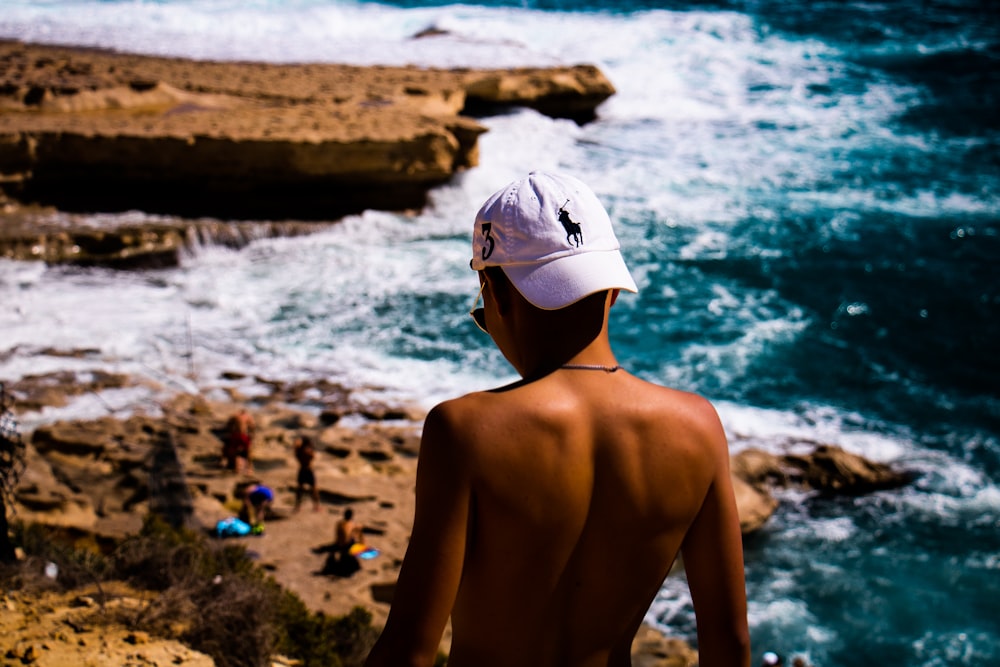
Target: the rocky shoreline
(85, 131)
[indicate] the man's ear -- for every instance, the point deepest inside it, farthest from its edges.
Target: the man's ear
(614, 296)
(500, 289)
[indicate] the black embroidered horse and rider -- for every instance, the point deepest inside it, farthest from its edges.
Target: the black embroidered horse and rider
(574, 234)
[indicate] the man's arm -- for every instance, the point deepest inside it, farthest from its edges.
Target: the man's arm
(432, 568)
(713, 561)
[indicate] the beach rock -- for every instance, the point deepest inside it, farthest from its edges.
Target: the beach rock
(372, 442)
(49, 628)
(30, 233)
(40, 497)
(573, 93)
(754, 506)
(84, 440)
(34, 392)
(106, 462)
(831, 469)
(651, 648)
(759, 468)
(827, 468)
(88, 130)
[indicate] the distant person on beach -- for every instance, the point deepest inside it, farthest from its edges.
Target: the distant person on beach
(239, 437)
(549, 511)
(346, 534)
(306, 478)
(257, 501)
(348, 531)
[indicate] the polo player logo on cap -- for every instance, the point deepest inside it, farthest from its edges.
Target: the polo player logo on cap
(574, 234)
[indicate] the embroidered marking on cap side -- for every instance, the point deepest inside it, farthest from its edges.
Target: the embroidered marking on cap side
(488, 243)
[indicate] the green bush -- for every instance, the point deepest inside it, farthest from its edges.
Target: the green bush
(162, 557)
(319, 640)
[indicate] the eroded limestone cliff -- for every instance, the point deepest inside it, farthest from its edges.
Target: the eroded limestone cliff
(87, 130)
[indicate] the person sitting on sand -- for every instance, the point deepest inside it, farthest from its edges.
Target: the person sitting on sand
(347, 533)
(549, 511)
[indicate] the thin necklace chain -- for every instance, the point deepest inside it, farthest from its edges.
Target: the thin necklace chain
(591, 367)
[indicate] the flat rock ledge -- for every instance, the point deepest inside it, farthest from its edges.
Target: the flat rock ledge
(88, 130)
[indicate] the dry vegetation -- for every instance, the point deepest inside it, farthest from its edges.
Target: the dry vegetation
(208, 595)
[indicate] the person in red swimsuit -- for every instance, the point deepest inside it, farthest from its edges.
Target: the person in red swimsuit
(239, 437)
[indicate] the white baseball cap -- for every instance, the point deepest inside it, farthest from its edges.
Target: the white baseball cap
(553, 239)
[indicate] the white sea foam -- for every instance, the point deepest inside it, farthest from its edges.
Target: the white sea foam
(838, 529)
(672, 609)
(112, 402)
(955, 648)
(949, 492)
(789, 617)
(801, 429)
(360, 33)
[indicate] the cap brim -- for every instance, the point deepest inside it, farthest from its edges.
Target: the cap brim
(566, 280)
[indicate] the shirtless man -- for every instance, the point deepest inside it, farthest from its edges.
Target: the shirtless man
(240, 436)
(348, 532)
(305, 453)
(549, 511)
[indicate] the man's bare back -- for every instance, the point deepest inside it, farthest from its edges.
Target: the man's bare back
(549, 512)
(617, 471)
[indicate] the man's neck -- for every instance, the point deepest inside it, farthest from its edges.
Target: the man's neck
(546, 358)
(537, 342)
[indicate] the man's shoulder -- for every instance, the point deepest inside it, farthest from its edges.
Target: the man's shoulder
(681, 412)
(663, 397)
(475, 418)
(475, 410)
(456, 411)
(695, 405)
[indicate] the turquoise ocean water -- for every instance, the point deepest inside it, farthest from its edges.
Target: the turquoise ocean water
(807, 194)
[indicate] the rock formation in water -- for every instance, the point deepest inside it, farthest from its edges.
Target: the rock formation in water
(94, 131)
